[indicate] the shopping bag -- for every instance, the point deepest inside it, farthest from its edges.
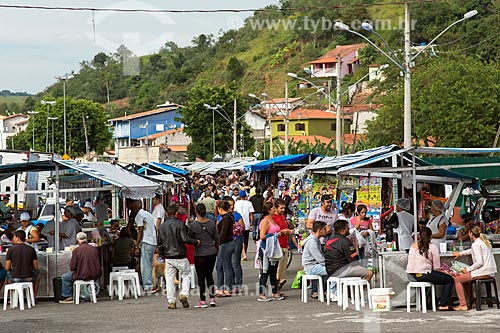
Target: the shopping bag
(296, 284)
(457, 266)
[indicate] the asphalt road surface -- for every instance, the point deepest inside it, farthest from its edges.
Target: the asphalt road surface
(237, 313)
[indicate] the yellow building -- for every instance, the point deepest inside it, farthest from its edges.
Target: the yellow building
(305, 122)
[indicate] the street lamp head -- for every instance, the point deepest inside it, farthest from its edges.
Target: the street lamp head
(253, 96)
(48, 102)
(292, 75)
(307, 70)
(341, 26)
(468, 15)
(367, 26)
(207, 106)
(384, 66)
(53, 118)
(218, 106)
(265, 95)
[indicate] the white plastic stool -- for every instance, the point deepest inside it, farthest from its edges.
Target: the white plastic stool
(305, 279)
(78, 283)
(359, 297)
(340, 289)
(120, 278)
(16, 293)
(119, 268)
(420, 299)
(328, 287)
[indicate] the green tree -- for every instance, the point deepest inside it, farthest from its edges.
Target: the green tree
(198, 120)
(454, 104)
(98, 132)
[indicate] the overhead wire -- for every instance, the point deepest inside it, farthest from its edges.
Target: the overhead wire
(181, 11)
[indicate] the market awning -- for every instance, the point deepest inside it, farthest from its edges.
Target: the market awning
(284, 159)
(170, 168)
(131, 185)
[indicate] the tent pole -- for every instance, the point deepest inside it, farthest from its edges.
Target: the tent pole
(57, 215)
(414, 190)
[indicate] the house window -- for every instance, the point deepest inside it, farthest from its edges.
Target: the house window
(332, 127)
(281, 127)
(300, 127)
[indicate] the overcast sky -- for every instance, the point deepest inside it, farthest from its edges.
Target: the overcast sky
(37, 45)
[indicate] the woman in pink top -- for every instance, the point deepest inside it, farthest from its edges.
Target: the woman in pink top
(268, 228)
(424, 264)
(364, 225)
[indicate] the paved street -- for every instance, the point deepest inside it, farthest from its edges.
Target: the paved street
(240, 313)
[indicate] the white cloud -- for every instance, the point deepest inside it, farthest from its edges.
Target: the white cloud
(36, 45)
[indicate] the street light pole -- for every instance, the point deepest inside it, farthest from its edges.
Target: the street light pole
(406, 68)
(213, 125)
(86, 136)
(286, 116)
(48, 103)
(33, 113)
(338, 143)
(64, 78)
(52, 120)
(235, 130)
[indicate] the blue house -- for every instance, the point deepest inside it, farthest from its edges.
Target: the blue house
(128, 130)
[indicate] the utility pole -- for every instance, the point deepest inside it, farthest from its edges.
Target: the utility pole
(338, 126)
(235, 129)
(407, 82)
(286, 116)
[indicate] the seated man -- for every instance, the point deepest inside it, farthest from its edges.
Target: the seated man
(313, 259)
(84, 265)
(21, 262)
(341, 259)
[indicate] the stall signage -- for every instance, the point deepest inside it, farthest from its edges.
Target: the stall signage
(349, 182)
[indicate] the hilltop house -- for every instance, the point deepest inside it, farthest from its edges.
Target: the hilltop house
(11, 126)
(150, 136)
(326, 65)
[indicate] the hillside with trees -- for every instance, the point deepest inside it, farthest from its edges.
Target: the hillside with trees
(455, 85)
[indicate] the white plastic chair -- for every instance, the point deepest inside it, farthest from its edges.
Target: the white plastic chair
(305, 280)
(421, 301)
(16, 293)
(359, 297)
(78, 283)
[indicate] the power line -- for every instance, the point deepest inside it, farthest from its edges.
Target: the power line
(186, 11)
(471, 46)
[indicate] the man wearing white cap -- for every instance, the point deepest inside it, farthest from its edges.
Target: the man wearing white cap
(84, 265)
(32, 235)
(405, 223)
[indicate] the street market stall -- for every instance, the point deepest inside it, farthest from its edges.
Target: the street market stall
(112, 178)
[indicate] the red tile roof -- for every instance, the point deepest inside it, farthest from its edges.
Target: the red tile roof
(342, 50)
(16, 115)
(179, 149)
(349, 138)
(147, 113)
(311, 139)
(350, 109)
(282, 100)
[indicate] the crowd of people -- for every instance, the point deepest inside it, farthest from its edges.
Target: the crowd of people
(208, 224)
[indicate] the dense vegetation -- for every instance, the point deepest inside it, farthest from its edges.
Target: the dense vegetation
(254, 60)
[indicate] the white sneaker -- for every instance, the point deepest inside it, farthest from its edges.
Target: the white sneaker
(333, 297)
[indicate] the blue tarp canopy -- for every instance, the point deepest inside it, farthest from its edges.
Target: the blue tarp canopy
(284, 159)
(169, 168)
